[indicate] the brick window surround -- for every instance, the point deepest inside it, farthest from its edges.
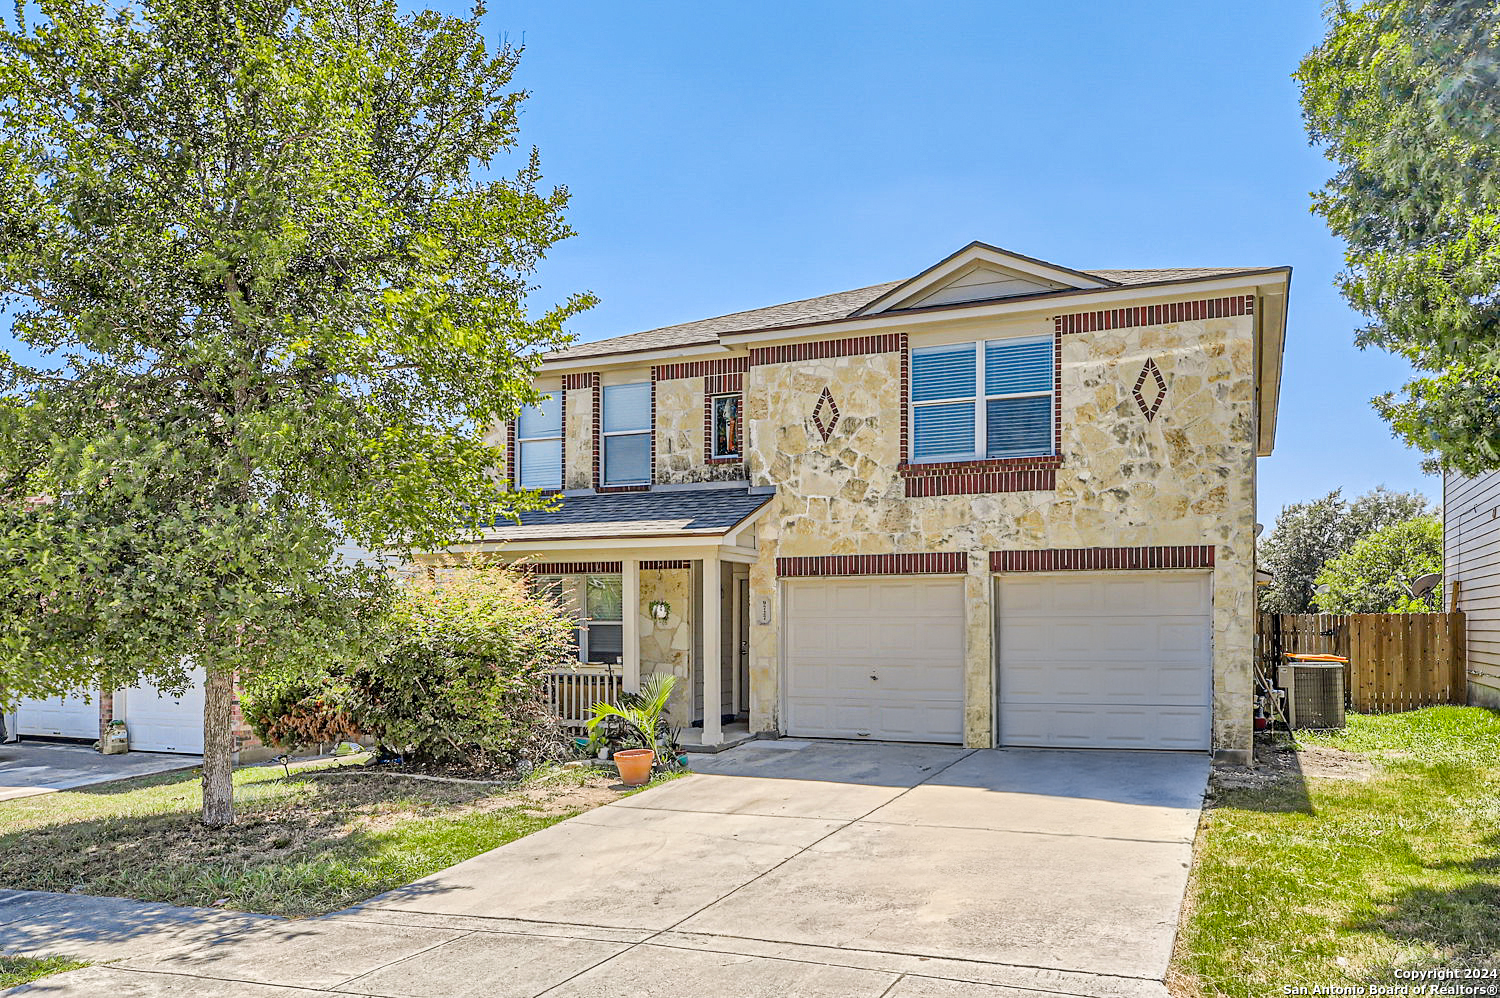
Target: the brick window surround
(837, 565)
(599, 485)
(1103, 559)
(722, 376)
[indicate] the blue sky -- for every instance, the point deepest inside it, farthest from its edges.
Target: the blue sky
(724, 156)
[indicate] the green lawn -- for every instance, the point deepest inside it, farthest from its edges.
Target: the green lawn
(16, 970)
(318, 841)
(1377, 850)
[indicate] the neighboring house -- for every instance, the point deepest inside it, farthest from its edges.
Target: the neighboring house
(1002, 502)
(1471, 573)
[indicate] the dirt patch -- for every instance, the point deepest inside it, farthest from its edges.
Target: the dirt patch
(1278, 762)
(564, 798)
(1334, 764)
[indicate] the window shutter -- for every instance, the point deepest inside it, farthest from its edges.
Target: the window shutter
(627, 408)
(541, 420)
(942, 373)
(1013, 367)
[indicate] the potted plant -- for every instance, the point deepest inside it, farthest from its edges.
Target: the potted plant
(642, 727)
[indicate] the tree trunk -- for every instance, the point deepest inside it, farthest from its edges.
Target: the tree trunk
(218, 748)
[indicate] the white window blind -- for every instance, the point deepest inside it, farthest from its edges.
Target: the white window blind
(990, 399)
(539, 445)
(626, 428)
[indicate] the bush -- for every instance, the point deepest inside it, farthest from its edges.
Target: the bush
(298, 708)
(460, 681)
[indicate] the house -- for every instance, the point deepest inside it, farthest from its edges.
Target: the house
(1000, 502)
(1471, 569)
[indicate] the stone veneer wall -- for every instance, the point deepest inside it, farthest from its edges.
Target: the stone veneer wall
(667, 646)
(1185, 477)
(679, 436)
(578, 439)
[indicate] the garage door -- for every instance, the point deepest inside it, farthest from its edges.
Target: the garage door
(59, 717)
(1105, 660)
(158, 722)
(875, 658)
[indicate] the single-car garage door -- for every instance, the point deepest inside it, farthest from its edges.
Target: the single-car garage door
(158, 722)
(1105, 659)
(59, 717)
(875, 658)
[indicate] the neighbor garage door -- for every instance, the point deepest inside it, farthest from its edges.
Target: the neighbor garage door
(60, 717)
(1105, 660)
(875, 658)
(158, 722)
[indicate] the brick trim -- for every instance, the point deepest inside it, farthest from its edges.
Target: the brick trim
(818, 349)
(562, 437)
(724, 384)
(571, 567)
(708, 417)
(1017, 474)
(834, 565)
(665, 566)
(597, 437)
(905, 398)
(1152, 315)
(1103, 559)
(573, 382)
(510, 452)
(700, 368)
(599, 485)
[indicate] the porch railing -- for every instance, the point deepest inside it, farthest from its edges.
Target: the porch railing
(573, 693)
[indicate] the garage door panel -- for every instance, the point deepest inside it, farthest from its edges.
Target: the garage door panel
(1115, 660)
(59, 717)
(160, 722)
(906, 633)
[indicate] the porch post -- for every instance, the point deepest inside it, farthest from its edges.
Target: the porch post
(713, 732)
(630, 624)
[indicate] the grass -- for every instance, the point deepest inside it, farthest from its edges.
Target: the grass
(1377, 849)
(322, 839)
(16, 970)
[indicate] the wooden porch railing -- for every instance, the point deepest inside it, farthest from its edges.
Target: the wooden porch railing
(1397, 661)
(573, 693)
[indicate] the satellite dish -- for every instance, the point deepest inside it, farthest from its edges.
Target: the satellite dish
(1424, 584)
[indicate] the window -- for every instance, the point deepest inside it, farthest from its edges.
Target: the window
(595, 603)
(627, 434)
(726, 426)
(539, 445)
(991, 399)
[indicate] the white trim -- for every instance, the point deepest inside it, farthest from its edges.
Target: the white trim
(941, 272)
(980, 399)
(630, 631)
(637, 357)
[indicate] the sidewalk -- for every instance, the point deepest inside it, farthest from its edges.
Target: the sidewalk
(95, 929)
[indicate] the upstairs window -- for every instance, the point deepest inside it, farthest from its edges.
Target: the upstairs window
(973, 401)
(539, 444)
(627, 434)
(726, 426)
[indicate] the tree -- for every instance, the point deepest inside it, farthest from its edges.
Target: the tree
(1401, 93)
(1376, 573)
(1307, 535)
(281, 306)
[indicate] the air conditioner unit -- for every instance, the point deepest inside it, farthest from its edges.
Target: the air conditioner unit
(1314, 693)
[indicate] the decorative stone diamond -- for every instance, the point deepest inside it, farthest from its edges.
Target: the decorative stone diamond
(825, 414)
(1150, 389)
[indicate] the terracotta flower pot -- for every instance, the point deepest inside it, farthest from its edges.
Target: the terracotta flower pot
(635, 766)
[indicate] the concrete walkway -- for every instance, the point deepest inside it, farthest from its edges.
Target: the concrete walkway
(96, 930)
(783, 868)
(29, 768)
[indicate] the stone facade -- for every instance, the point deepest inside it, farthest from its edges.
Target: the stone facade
(667, 646)
(1185, 476)
(681, 455)
(578, 439)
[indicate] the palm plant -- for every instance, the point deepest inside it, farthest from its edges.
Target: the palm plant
(640, 714)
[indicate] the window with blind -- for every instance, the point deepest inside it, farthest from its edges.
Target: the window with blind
(539, 445)
(991, 399)
(627, 434)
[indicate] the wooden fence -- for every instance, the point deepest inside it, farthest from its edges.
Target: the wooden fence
(573, 693)
(1397, 661)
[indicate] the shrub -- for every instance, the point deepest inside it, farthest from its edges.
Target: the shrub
(460, 681)
(296, 708)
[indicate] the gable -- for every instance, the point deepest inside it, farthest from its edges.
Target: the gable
(980, 282)
(980, 272)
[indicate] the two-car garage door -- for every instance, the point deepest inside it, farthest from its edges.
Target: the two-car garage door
(1105, 660)
(1083, 659)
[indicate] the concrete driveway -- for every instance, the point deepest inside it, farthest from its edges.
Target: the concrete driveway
(781, 868)
(28, 768)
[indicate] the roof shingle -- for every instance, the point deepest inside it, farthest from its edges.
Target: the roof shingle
(636, 514)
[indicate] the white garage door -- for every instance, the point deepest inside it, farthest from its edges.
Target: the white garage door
(1105, 660)
(875, 658)
(59, 717)
(161, 723)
